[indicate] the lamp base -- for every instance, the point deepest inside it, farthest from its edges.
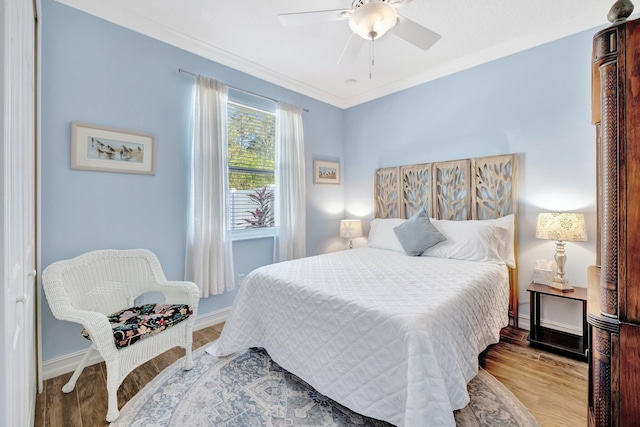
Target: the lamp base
(561, 285)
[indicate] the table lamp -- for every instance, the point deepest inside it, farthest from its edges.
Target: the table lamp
(349, 229)
(561, 227)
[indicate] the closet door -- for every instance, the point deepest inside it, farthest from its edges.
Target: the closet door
(17, 213)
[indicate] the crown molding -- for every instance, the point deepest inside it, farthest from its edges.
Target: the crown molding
(143, 25)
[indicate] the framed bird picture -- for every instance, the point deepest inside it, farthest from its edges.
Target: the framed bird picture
(105, 149)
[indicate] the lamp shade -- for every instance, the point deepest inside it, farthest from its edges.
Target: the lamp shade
(350, 228)
(373, 20)
(562, 226)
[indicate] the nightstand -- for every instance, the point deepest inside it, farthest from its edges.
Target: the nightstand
(570, 345)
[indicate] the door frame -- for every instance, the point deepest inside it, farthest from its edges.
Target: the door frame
(22, 410)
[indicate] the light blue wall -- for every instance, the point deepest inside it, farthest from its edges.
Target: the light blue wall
(4, 337)
(535, 103)
(96, 72)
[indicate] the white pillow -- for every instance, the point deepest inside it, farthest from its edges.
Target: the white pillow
(507, 247)
(470, 240)
(382, 236)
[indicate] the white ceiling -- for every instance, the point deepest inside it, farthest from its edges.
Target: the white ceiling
(246, 35)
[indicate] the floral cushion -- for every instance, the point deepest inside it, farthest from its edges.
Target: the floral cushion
(136, 323)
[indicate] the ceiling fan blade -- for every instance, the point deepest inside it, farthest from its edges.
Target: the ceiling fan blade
(398, 3)
(351, 50)
(302, 18)
(415, 33)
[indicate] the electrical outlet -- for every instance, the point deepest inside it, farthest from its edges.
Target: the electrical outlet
(138, 301)
(240, 279)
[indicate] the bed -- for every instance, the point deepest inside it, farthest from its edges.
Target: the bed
(392, 336)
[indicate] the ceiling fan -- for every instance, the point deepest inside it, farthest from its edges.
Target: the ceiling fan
(370, 20)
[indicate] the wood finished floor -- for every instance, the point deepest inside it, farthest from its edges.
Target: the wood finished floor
(552, 387)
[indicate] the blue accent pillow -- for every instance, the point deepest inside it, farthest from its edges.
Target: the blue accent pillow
(417, 234)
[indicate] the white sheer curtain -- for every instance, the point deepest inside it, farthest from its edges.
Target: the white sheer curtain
(209, 258)
(290, 211)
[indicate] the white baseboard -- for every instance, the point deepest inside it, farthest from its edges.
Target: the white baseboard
(210, 319)
(524, 320)
(68, 363)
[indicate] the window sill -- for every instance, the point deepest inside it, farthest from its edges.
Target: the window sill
(252, 233)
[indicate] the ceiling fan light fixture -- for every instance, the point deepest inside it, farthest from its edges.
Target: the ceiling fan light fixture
(372, 20)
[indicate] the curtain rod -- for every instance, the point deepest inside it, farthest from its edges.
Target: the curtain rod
(182, 70)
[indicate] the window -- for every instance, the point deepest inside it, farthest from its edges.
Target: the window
(251, 158)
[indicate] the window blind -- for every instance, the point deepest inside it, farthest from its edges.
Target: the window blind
(251, 162)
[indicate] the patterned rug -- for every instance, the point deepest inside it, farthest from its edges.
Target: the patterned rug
(249, 389)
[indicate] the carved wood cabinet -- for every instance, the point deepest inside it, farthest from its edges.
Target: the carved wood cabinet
(613, 307)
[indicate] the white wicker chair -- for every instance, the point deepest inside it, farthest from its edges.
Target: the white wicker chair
(90, 287)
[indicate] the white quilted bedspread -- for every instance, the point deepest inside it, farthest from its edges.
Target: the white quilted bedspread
(390, 336)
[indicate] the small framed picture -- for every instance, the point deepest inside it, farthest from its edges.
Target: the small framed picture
(99, 148)
(325, 172)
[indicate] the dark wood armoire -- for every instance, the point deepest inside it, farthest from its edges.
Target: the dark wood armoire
(613, 308)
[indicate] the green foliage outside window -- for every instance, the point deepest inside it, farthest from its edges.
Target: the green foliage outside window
(251, 145)
(251, 160)
(262, 215)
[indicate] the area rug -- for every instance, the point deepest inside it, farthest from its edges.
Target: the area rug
(249, 389)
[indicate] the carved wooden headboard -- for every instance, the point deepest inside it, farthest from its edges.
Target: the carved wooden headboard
(479, 188)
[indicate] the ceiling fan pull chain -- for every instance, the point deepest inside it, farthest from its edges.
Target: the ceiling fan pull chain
(373, 53)
(371, 59)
